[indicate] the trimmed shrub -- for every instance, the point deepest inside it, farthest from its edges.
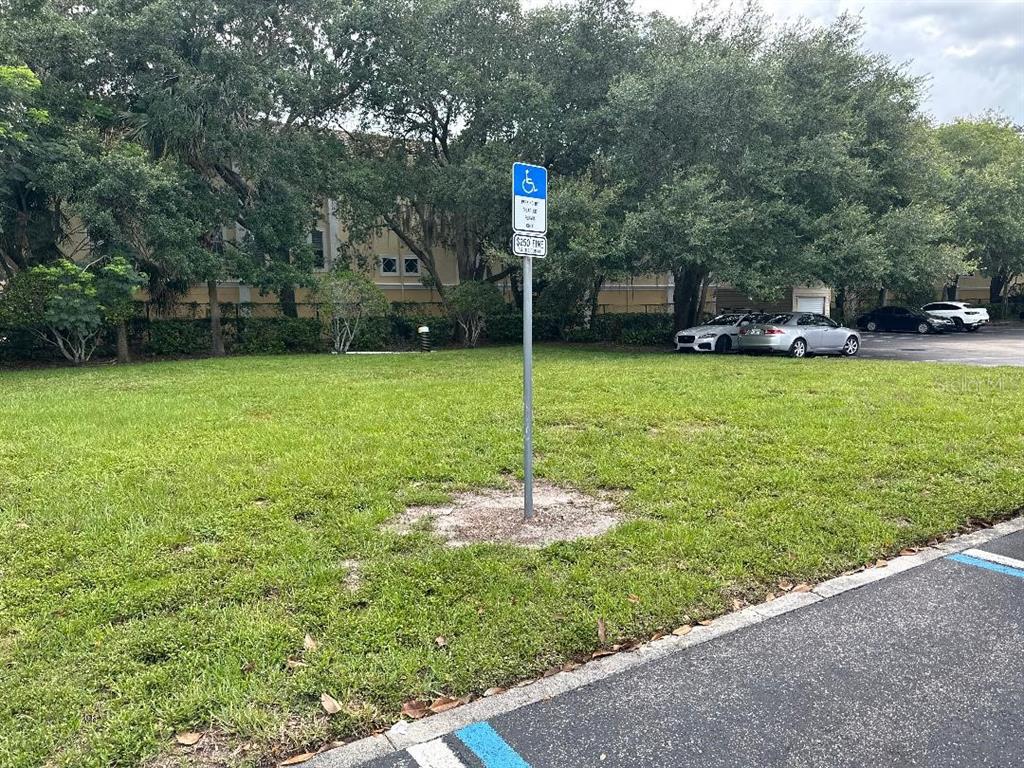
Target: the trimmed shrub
(176, 337)
(277, 335)
(634, 328)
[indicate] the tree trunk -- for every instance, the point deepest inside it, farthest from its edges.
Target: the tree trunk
(995, 286)
(123, 355)
(595, 292)
(515, 281)
(881, 297)
(216, 333)
(685, 291)
(286, 297)
(952, 289)
(841, 304)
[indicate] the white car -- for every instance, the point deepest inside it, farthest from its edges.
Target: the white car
(964, 316)
(720, 334)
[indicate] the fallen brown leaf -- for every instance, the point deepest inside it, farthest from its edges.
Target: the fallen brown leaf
(493, 691)
(737, 604)
(705, 622)
(440, 641)
(634, 598)
(415, 709)
(309, 643)
(296, 759)
(769, 597)
(188, 739)
(804, 587)
(443, 704)
(908, 551)
(599, 654)
(295, 664)
(602, 630)
(881, 563)
(683, 630)
(785, 585)
(330, 704)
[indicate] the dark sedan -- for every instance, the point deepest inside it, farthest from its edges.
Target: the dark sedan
(902, 319)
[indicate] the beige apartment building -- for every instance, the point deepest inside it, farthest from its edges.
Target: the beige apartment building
(398, 273)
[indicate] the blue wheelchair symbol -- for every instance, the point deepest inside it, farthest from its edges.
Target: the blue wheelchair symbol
(530, 181)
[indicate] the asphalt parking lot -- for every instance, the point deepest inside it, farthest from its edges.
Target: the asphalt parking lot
(918, 669)
(994, 345)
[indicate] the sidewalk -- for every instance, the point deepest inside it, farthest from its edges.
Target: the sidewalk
(917, 664)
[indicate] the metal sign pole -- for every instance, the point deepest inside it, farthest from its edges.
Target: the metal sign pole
(528, 387)
(529, 240)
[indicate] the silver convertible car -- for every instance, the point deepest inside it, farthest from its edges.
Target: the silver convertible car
(799, 334)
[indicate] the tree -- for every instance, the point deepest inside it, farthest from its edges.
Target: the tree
(473, 302)
(234, 92)
(697, 149)
(348, 299)
(151, 212)
(32, 147)
(690, 227)
(585, 248)
(68, 306)
(433, 153)
(987, 195)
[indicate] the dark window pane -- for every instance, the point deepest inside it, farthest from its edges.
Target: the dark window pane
(317, 239)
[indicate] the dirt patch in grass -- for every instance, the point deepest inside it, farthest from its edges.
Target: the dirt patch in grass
(213, 750)
(496, 516)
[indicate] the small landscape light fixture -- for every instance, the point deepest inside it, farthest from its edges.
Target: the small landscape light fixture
(424, 333)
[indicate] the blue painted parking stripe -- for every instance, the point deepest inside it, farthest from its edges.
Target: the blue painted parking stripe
(988, 565)
(484, 742)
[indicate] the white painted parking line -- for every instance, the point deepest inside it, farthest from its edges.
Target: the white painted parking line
(435, 754)
(992, 557)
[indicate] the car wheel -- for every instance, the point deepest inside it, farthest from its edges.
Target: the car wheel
(851, 347)
(972, 328)
(958, 324)
(872, 326)
(798, 349)
(723, 343)
(923, 327)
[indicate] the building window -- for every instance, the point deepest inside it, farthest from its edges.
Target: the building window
(388, 265)
(317, 239)
(411, 265)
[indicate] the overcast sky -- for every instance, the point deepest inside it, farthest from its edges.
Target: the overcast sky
(973, 50)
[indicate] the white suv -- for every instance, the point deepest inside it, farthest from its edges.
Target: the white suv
(963, 315)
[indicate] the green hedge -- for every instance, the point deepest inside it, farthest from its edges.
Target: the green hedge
(275, 335)
(279, 335)
(638, 329)
(1013, 310)
(174, 337)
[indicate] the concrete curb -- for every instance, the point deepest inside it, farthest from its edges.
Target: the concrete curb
(405, 734)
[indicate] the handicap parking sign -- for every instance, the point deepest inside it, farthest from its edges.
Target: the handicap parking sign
(529, 199)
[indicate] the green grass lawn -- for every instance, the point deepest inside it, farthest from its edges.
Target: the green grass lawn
(170, 532)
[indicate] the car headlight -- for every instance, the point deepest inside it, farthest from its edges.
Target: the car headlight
(707, 336)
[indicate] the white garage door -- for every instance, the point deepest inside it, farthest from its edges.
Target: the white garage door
(810, 304)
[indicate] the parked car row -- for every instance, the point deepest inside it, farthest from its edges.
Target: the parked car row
(804, 333)
(797, 334)
(937, 317)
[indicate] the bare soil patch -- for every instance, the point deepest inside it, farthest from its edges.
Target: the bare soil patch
(496, 515)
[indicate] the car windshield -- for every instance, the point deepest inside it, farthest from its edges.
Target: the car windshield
(725, 320)
(778, 319)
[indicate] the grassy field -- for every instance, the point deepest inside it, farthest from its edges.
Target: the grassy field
(170, 532)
